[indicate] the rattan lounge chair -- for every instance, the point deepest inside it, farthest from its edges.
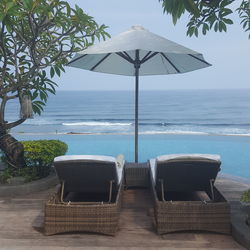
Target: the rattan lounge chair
(89, 197)
(184, 194)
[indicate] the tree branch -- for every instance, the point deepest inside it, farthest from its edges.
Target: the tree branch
(3, 105)
(3, 48)
(14, 124)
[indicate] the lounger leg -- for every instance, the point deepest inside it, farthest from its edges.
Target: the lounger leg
(212, 188)
(62, 191)
(110, 190)
(162, 190)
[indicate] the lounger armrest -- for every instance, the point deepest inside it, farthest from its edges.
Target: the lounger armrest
(119, 166)
(152, 165)
(120, 161)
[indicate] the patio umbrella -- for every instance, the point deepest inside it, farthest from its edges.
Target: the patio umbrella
(138, 52)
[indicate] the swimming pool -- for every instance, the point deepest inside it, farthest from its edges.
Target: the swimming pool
(234, 150)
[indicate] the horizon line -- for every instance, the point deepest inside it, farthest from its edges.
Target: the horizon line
(227, 89)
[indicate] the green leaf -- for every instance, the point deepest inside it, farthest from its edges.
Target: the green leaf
(190, 31)
(191, 7)
(226, 3)
(226, 20)
(211, 19)
(35, 95)
(223, 26)
(43, 74)
(9, 5)
(220, 26)
(39, 102)
(51, 91)
(27, 4)
(43, 96)
(36, 109)
(216, 26)
(196, 32)
(244, 24)
(52, 72)
(205, 27)
(223, 3)
(175, 8)
(38, 105)
(226, 12)
(48, 81)
(61, 68)
(2, 16)
(9, 29)
(57, 71)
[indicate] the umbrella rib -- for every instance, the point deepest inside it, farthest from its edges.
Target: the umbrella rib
(76, 59)
(148, 56)
(200, 59)
(170, 62)
(125, 56)
(100, 61)
(130, 58)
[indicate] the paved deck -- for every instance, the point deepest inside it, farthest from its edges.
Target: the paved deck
(21, 226)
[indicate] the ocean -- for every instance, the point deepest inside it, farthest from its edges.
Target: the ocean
(210, 112)
(170, 121)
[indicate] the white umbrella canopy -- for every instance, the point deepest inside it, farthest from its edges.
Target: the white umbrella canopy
(138, 52)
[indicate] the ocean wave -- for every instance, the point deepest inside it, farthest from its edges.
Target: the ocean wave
(129, 122)
(167, 124)
(39, 122)
(246, 134)
(96, 124)
(174, 132)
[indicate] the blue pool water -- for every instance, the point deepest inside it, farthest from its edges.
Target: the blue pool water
(234, 150)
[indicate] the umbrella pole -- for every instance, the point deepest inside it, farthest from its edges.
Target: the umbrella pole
(136, 114)
(137, 66)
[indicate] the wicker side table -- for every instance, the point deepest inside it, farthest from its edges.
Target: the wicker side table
(136, 174)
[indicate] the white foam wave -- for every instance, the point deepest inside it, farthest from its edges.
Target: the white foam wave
(175, 132)
(38, 122)
(106, 124)
(248, 134)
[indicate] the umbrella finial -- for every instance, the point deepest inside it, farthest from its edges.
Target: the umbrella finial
(137, 27)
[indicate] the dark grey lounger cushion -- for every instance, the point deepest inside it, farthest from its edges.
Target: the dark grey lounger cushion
(185, 172)
(88, 173)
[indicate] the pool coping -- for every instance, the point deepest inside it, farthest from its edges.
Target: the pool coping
(27, 188)
(235, 178)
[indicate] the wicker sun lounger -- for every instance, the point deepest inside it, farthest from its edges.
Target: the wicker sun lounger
(89, 197)
(185, 197)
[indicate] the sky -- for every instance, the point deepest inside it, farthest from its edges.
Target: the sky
(229, 53)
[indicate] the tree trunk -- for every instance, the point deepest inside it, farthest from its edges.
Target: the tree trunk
(12, 148)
